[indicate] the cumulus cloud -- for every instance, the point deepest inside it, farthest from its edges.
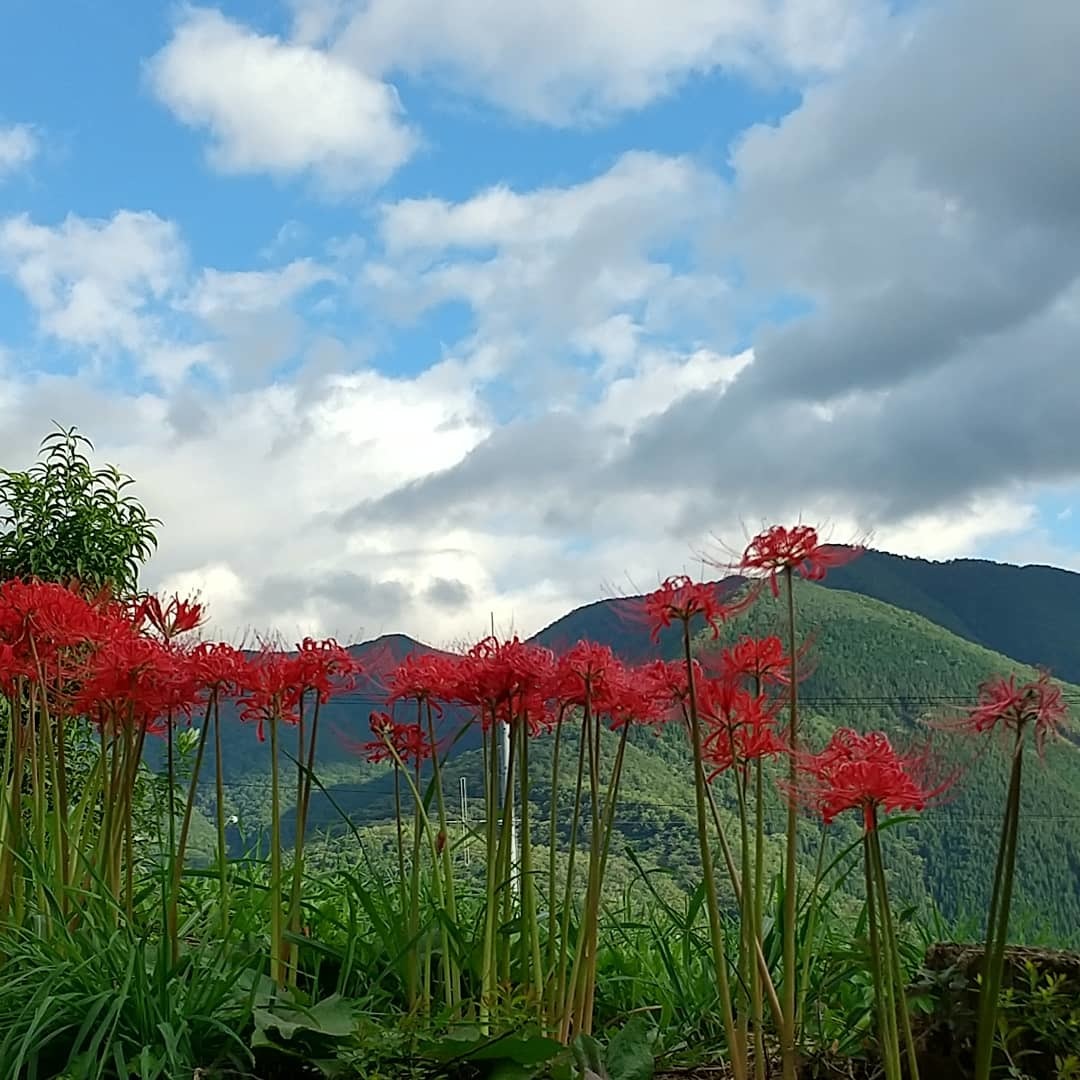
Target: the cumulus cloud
(936, 369)
(569, 61)
(280, 107)
(872, 321)
(92, 281)
(19, 145)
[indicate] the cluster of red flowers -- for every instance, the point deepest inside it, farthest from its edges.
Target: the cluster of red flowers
(127, 667)
(863, 772)
(797, 548)
(1001, 701)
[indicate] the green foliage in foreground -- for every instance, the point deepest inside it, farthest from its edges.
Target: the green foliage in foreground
(63, 520)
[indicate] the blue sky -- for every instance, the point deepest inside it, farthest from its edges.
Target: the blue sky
(402, 311)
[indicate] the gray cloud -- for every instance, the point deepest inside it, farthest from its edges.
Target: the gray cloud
(548, 451)
(374, 601)
(927, 205)
(448, 593)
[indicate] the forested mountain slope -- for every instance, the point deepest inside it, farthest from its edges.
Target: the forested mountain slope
(872, 666)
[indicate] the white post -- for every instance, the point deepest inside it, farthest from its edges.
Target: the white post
(504, 769)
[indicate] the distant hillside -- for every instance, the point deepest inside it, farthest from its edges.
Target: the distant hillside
(1031, 613)
(874, 666)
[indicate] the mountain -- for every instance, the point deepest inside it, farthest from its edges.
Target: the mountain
(1031, 613)
(874, 665)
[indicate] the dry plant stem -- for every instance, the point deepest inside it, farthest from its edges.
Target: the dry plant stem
(997, 928)
(789, 1032)
(738, 1061)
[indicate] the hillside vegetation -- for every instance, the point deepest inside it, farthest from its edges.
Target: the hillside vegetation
(872, 666)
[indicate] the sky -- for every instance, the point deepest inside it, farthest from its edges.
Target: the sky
(403, 313)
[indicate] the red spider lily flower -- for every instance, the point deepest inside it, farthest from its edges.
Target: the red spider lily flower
(268, 688)
(679, 599)
(136, 681)
(1001, 701)
(42, 618)
(174, 618)
(274, 684)
(636, 699)
(408, 742)
(761, 659)
(864, 772)
(425, 677)
(382, 727)
(588, 672)
(14, 665)
(324, 668)
(798, 548)
(670, 685)
(742, 725)
(507, 681)
(218, 667)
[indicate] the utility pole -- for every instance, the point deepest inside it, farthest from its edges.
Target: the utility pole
(504, 769)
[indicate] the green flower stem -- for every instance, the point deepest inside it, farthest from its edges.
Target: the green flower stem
(997, 930)
(716, 933)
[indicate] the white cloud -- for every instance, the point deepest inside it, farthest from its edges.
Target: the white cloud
(279, 107)
(570, 60)
(19, 145)
(556, 263)
(92, 282)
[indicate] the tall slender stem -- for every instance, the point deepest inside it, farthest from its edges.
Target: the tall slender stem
(789, 1035)
(997, 930)
(716, 933)
(219, 801)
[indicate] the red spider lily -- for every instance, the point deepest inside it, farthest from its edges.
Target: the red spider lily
(425, 677)
(1001, 701)
(507, 681)
(863, 772)
(275, 683)
(268, 688)
(40, 619)
(669, 685)
(742, 725)
(798, 548)
(588, 672)
(324, 668)
(678, 599)
(762, 659)
(408, 741)
(174, 618)
(218, 667)
(636, 700)
(136, 681)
